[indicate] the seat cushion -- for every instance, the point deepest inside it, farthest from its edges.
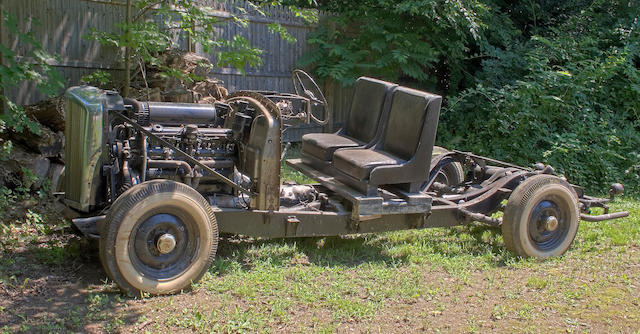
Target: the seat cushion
(322, 145)
(406, 120)
(367, 106)
(358, 162)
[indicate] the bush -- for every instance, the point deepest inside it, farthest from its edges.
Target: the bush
(576, 108)
(393, 40)
(557, 82)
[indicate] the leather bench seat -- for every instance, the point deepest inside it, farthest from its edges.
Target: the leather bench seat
(363, 127)
(358, 163)
(402, 156)
(323, 145)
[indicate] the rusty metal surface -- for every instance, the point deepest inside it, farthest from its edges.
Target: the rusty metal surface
(599, 218)
(270, 105)
(184, 155)
(279, 224)
(362, 205)
(261, 156)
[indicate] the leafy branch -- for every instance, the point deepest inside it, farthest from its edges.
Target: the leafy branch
(152, 29)
(35, 67)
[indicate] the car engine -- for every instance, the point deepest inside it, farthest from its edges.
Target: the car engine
(230, 148)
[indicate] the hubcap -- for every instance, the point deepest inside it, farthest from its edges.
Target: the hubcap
(163, 245)
(166, 243)
(551, 223)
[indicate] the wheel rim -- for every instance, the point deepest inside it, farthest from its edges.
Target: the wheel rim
(549, 223)
(163, 246)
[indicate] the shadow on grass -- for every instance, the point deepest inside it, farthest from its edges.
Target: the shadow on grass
(473, 243)
(56, 284)
(348, 251)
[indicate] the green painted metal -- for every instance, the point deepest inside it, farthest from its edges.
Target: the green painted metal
(84, 109)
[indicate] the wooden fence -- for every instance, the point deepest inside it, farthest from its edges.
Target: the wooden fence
(62, 24)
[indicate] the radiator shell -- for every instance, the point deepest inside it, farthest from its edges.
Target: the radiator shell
(85, 119)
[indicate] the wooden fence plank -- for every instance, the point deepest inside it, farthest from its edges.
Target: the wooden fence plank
(65, 23)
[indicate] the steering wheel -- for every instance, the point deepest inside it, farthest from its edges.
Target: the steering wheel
(314, 94)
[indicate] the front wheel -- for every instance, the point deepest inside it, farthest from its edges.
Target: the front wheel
(541, 217)
(158, 237)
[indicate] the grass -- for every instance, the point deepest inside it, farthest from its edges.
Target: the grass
(453, 280)
(289, 174)
(435, 280)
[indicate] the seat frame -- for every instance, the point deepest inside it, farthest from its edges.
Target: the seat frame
(410, 175)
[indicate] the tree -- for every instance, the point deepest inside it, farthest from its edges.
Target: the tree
(541, 80)
(412, 40)
(14, 70)
(150, 26)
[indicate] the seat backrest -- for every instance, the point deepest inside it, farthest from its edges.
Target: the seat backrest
(413, 119)
(366, 108)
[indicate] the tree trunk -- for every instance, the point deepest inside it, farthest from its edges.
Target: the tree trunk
(1, 58)
(48, 112)
(127, 52)
(48, 143)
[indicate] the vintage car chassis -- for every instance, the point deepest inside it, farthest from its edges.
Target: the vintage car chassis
(473, 200)
(542, 209)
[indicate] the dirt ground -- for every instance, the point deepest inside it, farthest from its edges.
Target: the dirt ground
(439, 280)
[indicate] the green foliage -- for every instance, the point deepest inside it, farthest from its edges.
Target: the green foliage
(279, 29)
(541, 80)
(575, 106)
(97, 78)
(23, 191)
(144, 37)
(406, 39)
(34, 67)
(14, 69)
(247, 55)
(304, 9)
(156, 24)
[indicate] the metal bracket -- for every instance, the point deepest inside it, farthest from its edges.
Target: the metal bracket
(291, 226)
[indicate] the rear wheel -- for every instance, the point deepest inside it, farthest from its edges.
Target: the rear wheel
(450, 174)
(158, 237)
(541, 217)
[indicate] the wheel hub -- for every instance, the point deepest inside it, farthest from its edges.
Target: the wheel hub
(550, 223)
(163, 245)
(166, 243)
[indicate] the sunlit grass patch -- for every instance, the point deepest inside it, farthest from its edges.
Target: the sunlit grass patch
(289, 174)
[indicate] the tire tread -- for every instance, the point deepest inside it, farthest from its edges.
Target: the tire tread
(121, 207)
(516, 205)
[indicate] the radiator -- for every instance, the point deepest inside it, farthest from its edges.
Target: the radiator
(83, 146)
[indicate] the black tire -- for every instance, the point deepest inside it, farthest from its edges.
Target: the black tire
(130, 249)
(451, 174)
(541, 217)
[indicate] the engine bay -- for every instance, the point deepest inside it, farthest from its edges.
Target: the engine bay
(229, 151)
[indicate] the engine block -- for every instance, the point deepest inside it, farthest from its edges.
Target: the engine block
(224, 148)
(195, 129)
